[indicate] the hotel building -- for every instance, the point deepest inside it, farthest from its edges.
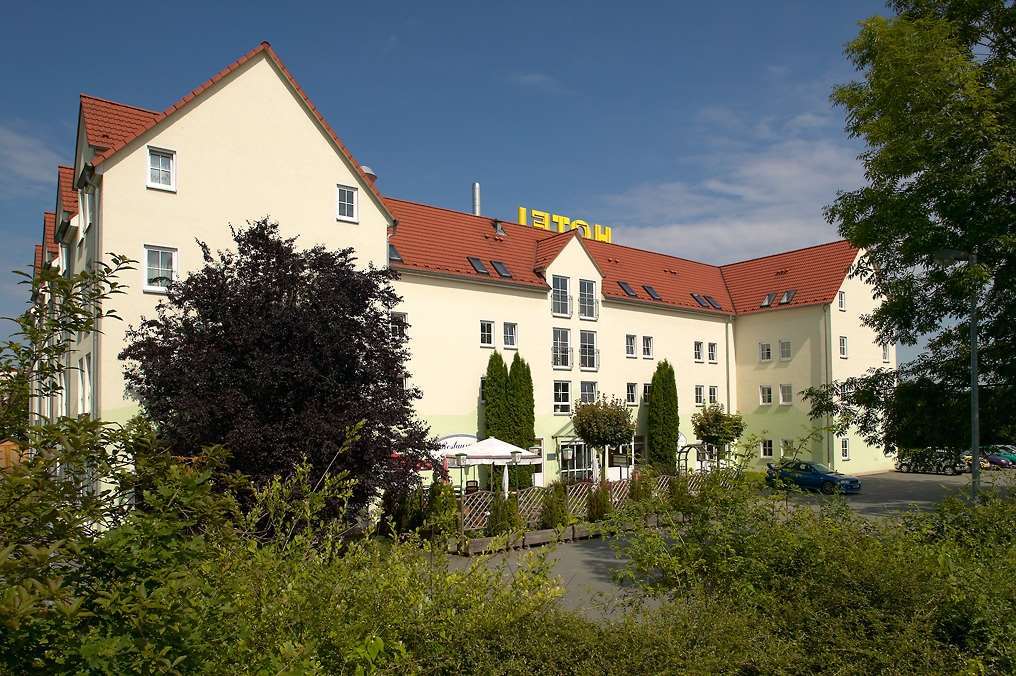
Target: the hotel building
(589, 316)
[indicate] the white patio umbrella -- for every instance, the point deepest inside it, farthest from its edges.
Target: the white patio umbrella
(504, 480)
(596, 465)
(493, 451)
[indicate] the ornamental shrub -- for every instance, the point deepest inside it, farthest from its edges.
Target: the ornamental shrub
(442, 514)
(496, 399)
(554, 512)
(642, 486)
(662, 421)
(599, 503)
(504, 515)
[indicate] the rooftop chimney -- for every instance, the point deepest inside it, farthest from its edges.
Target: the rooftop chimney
(476, 199)
(370, 173)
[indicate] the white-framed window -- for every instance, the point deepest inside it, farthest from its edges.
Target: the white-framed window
(885, 354)
(561, 348)
(766, 448)
(765, 394)
(786, 349)
(562, 397)
(646, 391)
(630, 341)
(161, 170)
(647, 347)
(161, 267)
(511, 336)
(560, 301)
(631, 393)
(696, 351)
(346, 207)
(786, 394)
(581, 464)
(843, 347)
(486, 333)
(398, 321)
(700, 399)
(587, 391)
(587, 299)
(92, 209)
(713, 394)
(712, 353)
(589, 356)
(841, 301)
(844, 448)
(765, 352)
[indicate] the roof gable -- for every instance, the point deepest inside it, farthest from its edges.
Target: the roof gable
(67, 197)
(49, 233)
(814, 273)
(117, 125)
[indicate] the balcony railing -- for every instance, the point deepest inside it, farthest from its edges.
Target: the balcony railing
(589, 358)
(561, 357)
(589, 308)
(560, 305)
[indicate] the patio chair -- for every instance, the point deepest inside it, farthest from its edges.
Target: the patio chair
(472, 486)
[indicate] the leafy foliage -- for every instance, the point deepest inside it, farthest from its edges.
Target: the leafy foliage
(504, 515)
(934, 106)
(278, 353)
(717, 428)
(522, 403)
(599, 503)
(555, 513)
(496, 400)
(662, 421)
(642, 485)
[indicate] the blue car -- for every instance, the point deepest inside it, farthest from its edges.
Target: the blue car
(811, 476)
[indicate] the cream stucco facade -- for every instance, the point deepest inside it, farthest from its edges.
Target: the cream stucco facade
(250, 146)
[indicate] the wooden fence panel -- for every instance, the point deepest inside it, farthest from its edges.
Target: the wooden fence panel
(578, 499)
(619, 491)
(476, 509)
(531, 504)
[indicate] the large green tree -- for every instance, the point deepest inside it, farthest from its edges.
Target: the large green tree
(496, 401)
(662, 421)
(936, 108)
(523, 412)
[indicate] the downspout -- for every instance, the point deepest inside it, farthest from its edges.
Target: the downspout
(726, 356)
(97, 334)
(828, 379)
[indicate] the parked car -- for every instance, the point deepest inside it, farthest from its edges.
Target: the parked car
(929, 460)
(969, 460)
(998, 462)
(1005, 451)
(811, 476)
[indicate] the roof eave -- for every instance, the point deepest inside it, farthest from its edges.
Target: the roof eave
(466, 277)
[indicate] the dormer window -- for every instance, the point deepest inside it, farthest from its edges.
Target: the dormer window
(712, 301)
(652, 292)
(393, 253)
(628, 291)
(700, 300)
(161, 169)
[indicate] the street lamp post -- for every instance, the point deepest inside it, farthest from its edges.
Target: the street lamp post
(950, 256)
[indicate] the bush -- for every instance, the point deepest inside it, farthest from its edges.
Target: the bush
(599, 503)
(554, 512)
(442, 514)
(642, 486)
(504, 515)
(679, 495)
(403, 509)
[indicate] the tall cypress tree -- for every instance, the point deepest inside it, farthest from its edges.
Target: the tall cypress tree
(496, 407)
(662, 422)
(520, 389)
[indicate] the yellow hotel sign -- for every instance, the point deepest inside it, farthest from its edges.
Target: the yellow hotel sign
(549, 221)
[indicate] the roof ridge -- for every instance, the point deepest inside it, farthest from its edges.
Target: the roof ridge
(64, 166)
(118, 103)
(655, 253)
(466, 213)
(784, 253)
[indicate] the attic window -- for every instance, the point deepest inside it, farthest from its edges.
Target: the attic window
(652, 292)
(700, 300)
(788, 296)
(628, 291)
(502, 269)
(768, 300)
(478, 265)
(393, 253)
(712, 301)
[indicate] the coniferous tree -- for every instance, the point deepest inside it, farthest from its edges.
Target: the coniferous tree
(496, 406)
(523, 417)
(662, 422)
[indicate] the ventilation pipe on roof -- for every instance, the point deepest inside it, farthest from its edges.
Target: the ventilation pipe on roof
(476, 199)
(370, 173)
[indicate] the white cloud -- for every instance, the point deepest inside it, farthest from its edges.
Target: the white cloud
(29, 164)
(750, 202)
(537, 80)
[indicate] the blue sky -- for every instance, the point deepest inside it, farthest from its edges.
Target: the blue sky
(699, 129)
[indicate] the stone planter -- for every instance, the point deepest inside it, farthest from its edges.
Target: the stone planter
(542, 537)
(580, 531)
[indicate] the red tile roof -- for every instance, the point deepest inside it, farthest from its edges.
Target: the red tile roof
(38, 258)
(68, 196)
(114, 125)
(815, 273)
(440, 240)
(110, 126)
(674, 279)
(434, 239)
(49, 233)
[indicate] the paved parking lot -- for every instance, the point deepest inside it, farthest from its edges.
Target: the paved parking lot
(586, 568)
